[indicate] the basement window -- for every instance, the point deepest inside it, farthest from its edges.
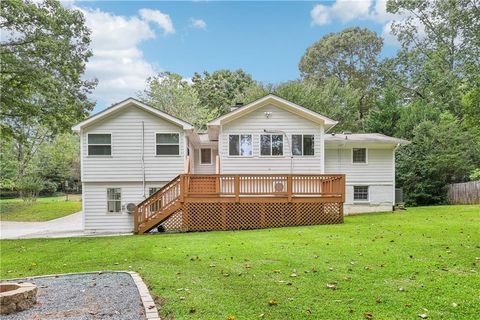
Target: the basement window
(99, 144)
(114, 200)
(167, 144)
(360, 193)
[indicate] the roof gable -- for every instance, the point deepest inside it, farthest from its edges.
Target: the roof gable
(278, 102)
(125, 104)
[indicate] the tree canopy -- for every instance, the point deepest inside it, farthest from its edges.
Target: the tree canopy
(43, 52)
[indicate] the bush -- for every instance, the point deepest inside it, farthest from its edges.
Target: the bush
(29, 188)
(49, 188)
(475, 175)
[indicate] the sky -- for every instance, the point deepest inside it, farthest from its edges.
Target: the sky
(132, 40)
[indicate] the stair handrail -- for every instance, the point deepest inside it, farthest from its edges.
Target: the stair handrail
(142, 211)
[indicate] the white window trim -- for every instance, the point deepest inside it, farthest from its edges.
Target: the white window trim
(211, 157)
(271, 155)
(100, 155)
(359, 163)
(166, 144)
(108, 200)
(302, 155)
(361, 201)
(239, 147)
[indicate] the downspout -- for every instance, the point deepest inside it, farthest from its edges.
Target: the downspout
(393, 168)
(143, 158)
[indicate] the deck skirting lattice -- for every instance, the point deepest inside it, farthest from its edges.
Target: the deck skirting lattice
(207, 216)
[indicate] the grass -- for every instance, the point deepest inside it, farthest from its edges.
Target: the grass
(391, 265)
(43, 209)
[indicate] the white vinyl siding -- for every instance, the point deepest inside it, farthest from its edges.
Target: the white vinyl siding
(204, 168)
(377, 174)
(255, 123)
(95, 205)
(125, 163)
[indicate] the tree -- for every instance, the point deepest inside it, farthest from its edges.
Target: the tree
(385, 116)
(330, 99)
(170, 93)
(438, 155)
(217, 91)
(350, 56)
(58, 160)
(440, 53)
(43, 53)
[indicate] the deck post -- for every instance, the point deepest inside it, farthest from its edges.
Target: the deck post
(182, 188)
(237, 188)
(135, 220)
(289, 187)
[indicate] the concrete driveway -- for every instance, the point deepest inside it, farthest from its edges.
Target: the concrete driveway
(69, 226)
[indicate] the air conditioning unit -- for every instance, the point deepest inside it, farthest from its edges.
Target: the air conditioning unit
(130, 207)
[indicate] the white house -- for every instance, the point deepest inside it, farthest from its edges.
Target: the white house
(131, 150)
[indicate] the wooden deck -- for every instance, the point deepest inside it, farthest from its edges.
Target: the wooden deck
(196, 202)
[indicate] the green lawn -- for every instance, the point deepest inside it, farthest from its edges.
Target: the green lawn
(43, 209)
(392, 266)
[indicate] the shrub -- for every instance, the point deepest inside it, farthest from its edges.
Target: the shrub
(29, 188)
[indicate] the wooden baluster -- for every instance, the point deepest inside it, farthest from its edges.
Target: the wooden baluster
(237, 188)
(289, 188)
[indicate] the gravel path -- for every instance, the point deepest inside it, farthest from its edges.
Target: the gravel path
(106, 295)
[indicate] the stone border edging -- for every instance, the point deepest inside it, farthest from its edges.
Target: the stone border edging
(151, 312)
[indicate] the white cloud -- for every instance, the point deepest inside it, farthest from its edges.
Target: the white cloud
(343, 10)
(198, 23)
(320, 15)
(348, 10)
(161, 19)
(117, 62)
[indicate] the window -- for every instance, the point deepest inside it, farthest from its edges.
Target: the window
(359, 155)
(271, 144)
(360, 193)
(152, 190)
(303, 144)
(99, 144)
(167, 144)
(240, 145)
(114, 200)
(206, 156)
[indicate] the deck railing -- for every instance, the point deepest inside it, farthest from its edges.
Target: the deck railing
(158, 201)
(264, 185)
(245, 188)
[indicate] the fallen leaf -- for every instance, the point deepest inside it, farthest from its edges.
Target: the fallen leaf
(332, 286)
(378, 300)
(231, 317)
(423, 315)
(272, 302)
(368, 315)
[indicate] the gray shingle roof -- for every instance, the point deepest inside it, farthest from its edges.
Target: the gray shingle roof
(364, 137)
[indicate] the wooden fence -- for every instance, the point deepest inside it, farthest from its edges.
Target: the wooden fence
(464, 193)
